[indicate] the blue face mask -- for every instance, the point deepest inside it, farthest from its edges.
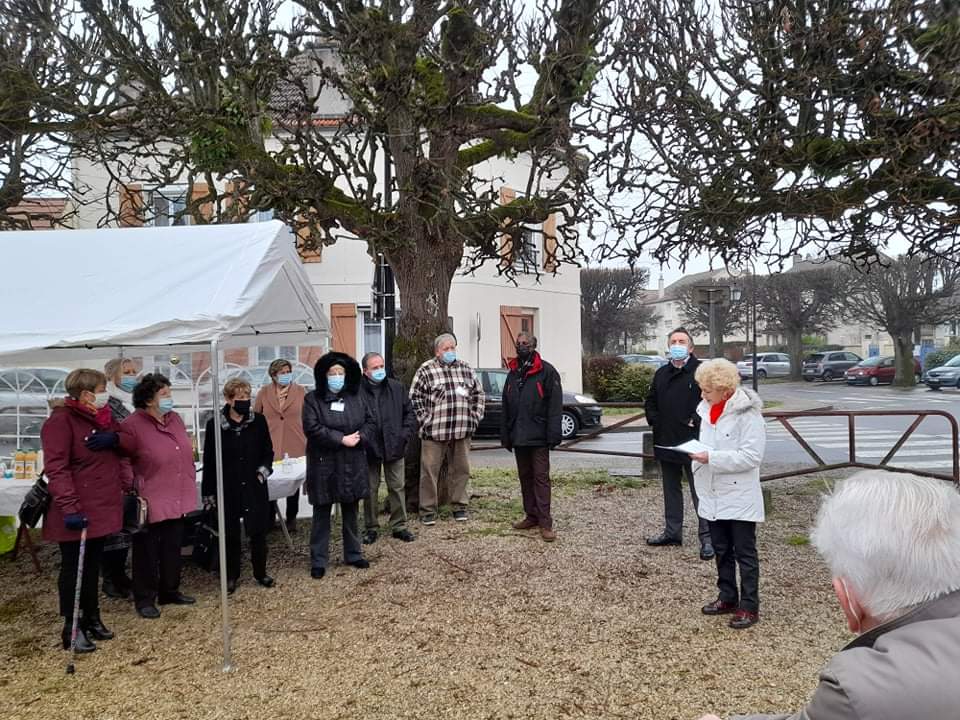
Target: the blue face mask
(379, 375)
(285, 378)
(166, 405)
(450, 357)
(335, 382)
(679, 352)
(128, 383)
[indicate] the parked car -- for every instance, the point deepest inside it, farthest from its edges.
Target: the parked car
(877, 370)
(946, 375)
(768, 365)
(579, 411)
(828, 365)
(654, 361)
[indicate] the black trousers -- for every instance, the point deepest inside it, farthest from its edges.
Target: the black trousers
(672, 474)
(293, 507)
(156, 561)
(320, 534)
(533, 469)
(735, 542)
(258, 550)
(90, 583)
(114, 565)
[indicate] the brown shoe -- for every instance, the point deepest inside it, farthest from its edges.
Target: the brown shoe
(524, 524)
(744, 619)
(718, 607)
(548, 534)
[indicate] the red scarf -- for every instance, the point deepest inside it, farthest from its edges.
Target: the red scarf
(102, 417)
(717, 410)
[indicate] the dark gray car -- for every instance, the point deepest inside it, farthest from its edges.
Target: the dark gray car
(828, 365)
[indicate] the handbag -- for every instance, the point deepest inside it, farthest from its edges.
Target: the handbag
(206, 542)
(35, 503)
(134, 513)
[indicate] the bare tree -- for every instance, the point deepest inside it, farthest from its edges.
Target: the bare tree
(611, 305)
(901, 296)
(727, 314)
(753, 129)
(803, 301)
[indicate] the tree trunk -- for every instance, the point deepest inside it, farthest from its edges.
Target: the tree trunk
(903, 359)
(795, 350)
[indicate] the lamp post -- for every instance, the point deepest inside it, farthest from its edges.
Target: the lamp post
(751, 319)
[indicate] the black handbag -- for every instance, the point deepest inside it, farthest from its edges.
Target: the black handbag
(206, 548)
(134, 513)
(35, 503)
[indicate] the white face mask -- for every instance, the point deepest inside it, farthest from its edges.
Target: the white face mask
(100, 399)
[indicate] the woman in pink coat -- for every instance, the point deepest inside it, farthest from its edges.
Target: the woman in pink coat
(156, 441)
(87, 480)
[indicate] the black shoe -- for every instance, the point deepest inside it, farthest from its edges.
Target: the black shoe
(719, 607)
(460, 515)
(706, 551)
(361, 563)
(428, 519)
(115, 591)
(178, 598)
(404, 535)
(266, 581)
(94, 627)
(663, 539)
(231, 586)
(149, 612)
(83, 644)
(318, 573)
(370, 537)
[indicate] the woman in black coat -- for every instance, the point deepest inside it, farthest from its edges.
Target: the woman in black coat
(338, 426)
(247, 463)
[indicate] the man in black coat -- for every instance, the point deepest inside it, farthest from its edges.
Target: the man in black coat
(671, 411)
(530, 424)
(396, 424)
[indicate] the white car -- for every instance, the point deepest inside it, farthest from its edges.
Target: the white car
(768, 365)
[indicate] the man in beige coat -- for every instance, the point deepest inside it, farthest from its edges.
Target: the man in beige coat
(892, 541)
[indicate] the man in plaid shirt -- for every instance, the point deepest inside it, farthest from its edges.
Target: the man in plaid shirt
(448, 402)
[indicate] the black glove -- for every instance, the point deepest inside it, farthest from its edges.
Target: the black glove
(75, 521)
(103, 440)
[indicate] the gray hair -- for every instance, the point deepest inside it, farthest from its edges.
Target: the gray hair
(442, 338)
(894, 537)
(529, 336)
(368, 357)
(114, 367)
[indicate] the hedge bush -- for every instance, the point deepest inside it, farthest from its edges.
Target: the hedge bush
(631, 383)
(598, 372)
(936, 358)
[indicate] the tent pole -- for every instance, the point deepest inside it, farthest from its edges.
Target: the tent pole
(221, 521)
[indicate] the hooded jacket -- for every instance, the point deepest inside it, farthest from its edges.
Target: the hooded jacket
(336, 473)
(532, 405)
(728, 486)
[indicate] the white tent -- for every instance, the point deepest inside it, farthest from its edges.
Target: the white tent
(67, 293)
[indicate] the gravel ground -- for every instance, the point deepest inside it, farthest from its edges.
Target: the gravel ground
(473, 620)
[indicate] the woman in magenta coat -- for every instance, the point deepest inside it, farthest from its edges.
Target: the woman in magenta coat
(156, 441)
(87, 480)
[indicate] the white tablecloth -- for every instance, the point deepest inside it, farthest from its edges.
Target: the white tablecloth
(282, 483)
(11, 495)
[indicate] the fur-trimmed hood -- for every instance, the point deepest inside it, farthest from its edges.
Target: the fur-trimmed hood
(353, 376)
(742, 400)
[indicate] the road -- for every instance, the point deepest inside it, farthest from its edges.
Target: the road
(929, 448)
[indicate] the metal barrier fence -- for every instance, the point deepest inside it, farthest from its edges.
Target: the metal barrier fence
(784, 418)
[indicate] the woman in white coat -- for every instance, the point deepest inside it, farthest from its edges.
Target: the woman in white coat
(727, 478)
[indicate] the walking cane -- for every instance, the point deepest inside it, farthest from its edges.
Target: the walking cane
(76, 604)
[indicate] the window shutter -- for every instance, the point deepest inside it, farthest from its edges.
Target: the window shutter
(550, 243)
(200, 190)
(236, 193)
(131, 206)
(311, 255)
(343, 322)
(507, 196)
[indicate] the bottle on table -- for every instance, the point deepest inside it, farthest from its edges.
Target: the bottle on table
(30, 465)
(19, 465)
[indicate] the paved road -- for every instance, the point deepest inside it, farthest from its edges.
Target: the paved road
(929, 448)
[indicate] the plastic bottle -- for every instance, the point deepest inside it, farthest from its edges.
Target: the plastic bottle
(19, 462)
(30, 465)
(286, 461)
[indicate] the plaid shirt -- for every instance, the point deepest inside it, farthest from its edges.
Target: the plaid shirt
(447, 399)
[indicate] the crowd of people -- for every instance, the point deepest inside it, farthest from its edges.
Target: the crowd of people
(892, 541)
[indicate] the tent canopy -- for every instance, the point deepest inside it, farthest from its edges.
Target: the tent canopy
(67, 292)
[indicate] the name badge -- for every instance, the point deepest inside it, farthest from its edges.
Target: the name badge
(462, 391)
(337, 406)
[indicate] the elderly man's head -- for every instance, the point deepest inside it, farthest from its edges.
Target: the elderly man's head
(892, 541)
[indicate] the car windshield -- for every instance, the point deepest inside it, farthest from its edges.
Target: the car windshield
(953, 362)
(871, 362)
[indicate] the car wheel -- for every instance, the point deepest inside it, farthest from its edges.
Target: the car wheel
(874, 380)
(761, 374)
(569, 425)
(827, 375)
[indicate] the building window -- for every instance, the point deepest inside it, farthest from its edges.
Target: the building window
(262, 216)
(266, 354)
(371, 332)
(166, 206)
(528, 259)
(180, 373)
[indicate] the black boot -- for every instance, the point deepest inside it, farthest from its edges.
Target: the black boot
(93, 626)
(84, 644)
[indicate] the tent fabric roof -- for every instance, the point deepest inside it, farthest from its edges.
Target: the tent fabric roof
(147, 287)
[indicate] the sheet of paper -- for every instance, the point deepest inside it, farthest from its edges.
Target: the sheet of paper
(691, 446)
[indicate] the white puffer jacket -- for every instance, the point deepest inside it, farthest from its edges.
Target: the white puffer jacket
(728, 486)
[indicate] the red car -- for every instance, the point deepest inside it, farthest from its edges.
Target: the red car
(876, 370)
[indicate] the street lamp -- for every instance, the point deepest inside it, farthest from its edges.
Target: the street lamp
(751, 311)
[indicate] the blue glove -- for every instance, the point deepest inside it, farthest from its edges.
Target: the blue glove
(103, 440)
(75, 521)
